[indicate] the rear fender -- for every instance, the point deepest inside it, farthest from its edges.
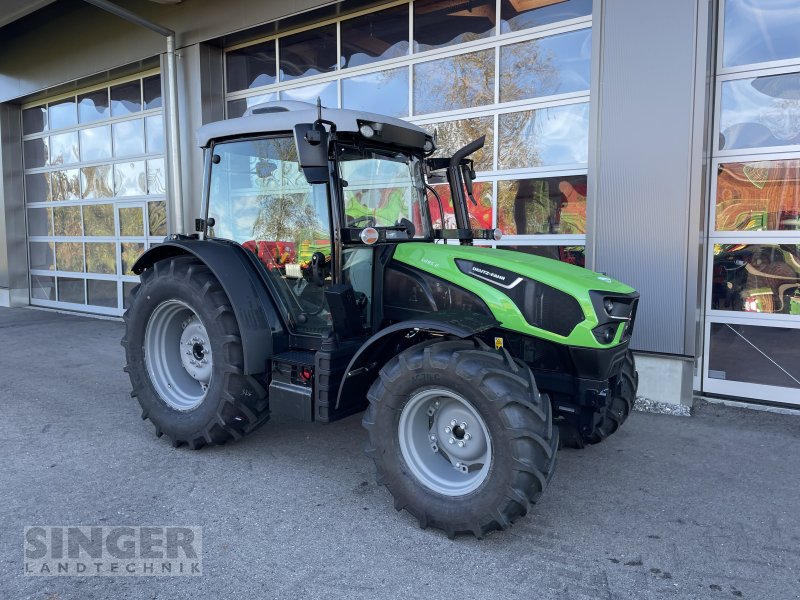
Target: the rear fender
(379, 348)
(252, 304)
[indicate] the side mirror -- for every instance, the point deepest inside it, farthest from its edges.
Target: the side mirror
(311, 141)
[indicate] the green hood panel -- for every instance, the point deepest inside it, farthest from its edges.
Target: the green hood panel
(439, 260)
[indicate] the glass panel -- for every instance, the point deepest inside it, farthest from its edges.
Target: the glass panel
(96, 182)
(62, 113)
(763, 278)
(380, 189)
(43, 287)
(152, 92)
(34, 120)
(480, 215)
(236, 108)
(758, 196)
(439, 23)
(98, 219)
(760, 31)
(71, 290)
(130, 252)
(376, 36)
(760, 112)
(515, 15)
(755, 354)
(557, 64)
(357, 271)
(157, 218)
(308, 53)
(37, 187)
(69, 256)
(101, 258)
(131, 222)
(66, 185)
(250, 67)
(326, 92)
(384, 92)
(156, 178)
(545, 205)
(260, 198)
(41, 256)
(574, 255)
(96, 143)
(452, 135)
(127, 288)
(544, 137)
(67, 221)
(126, 99)
(40, 221)
(130, 179)
(36, 153)
(154, 127)
(101, 292)
(64, 148)
(128, 137)
(93, 106)
(461, 81)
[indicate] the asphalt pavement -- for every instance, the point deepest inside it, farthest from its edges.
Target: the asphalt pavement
(701, 507)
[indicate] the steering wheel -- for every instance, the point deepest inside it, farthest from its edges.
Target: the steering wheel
(368, 220)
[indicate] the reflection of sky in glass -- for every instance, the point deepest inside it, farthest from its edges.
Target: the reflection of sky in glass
(557, 64)
(130, 179)
(385, 92)
(154, 127)
(128, 137)
(325, 91)
(64, 148)
(548, 136)
(760, 112)
(96, 143)
(758, 31)
(63, 114)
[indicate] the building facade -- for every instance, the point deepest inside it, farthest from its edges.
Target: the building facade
(656, 142)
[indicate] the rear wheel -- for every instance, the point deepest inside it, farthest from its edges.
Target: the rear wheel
(460, 436)
(184, 357)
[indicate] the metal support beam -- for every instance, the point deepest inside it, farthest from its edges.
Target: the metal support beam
(173, 134)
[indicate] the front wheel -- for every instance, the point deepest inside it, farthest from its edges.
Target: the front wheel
(184, 357)
(460, 436)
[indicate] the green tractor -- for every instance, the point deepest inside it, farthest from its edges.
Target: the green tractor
(316, 287)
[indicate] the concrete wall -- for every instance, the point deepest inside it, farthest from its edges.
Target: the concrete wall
(49, 47)
(646, 160)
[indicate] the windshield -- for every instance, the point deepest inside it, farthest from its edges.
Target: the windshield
(384, 188)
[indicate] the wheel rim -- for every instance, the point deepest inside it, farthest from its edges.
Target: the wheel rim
(177, 354)
(445, 442)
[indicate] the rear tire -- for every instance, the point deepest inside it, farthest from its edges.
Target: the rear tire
(184, 357)
(508, 460)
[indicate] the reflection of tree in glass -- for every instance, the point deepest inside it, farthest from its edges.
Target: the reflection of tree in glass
(157, 218)
(67, 220)
(98, 219)
(286, 212)
(97, 182)
(101, 258)
(69, 256)
(130, 252)
(65, 185)
(131, 222)
(527, 71)
(452, 135)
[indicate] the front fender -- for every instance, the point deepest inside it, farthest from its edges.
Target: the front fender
(252, 304)
(374, 353)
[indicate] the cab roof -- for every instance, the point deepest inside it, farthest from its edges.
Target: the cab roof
(271, 117)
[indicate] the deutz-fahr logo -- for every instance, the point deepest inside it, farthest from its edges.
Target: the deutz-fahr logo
(491, 274)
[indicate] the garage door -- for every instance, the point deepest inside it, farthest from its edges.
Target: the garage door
(94, 191)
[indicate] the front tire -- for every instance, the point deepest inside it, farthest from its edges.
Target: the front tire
(481, 473)
(184, 357)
